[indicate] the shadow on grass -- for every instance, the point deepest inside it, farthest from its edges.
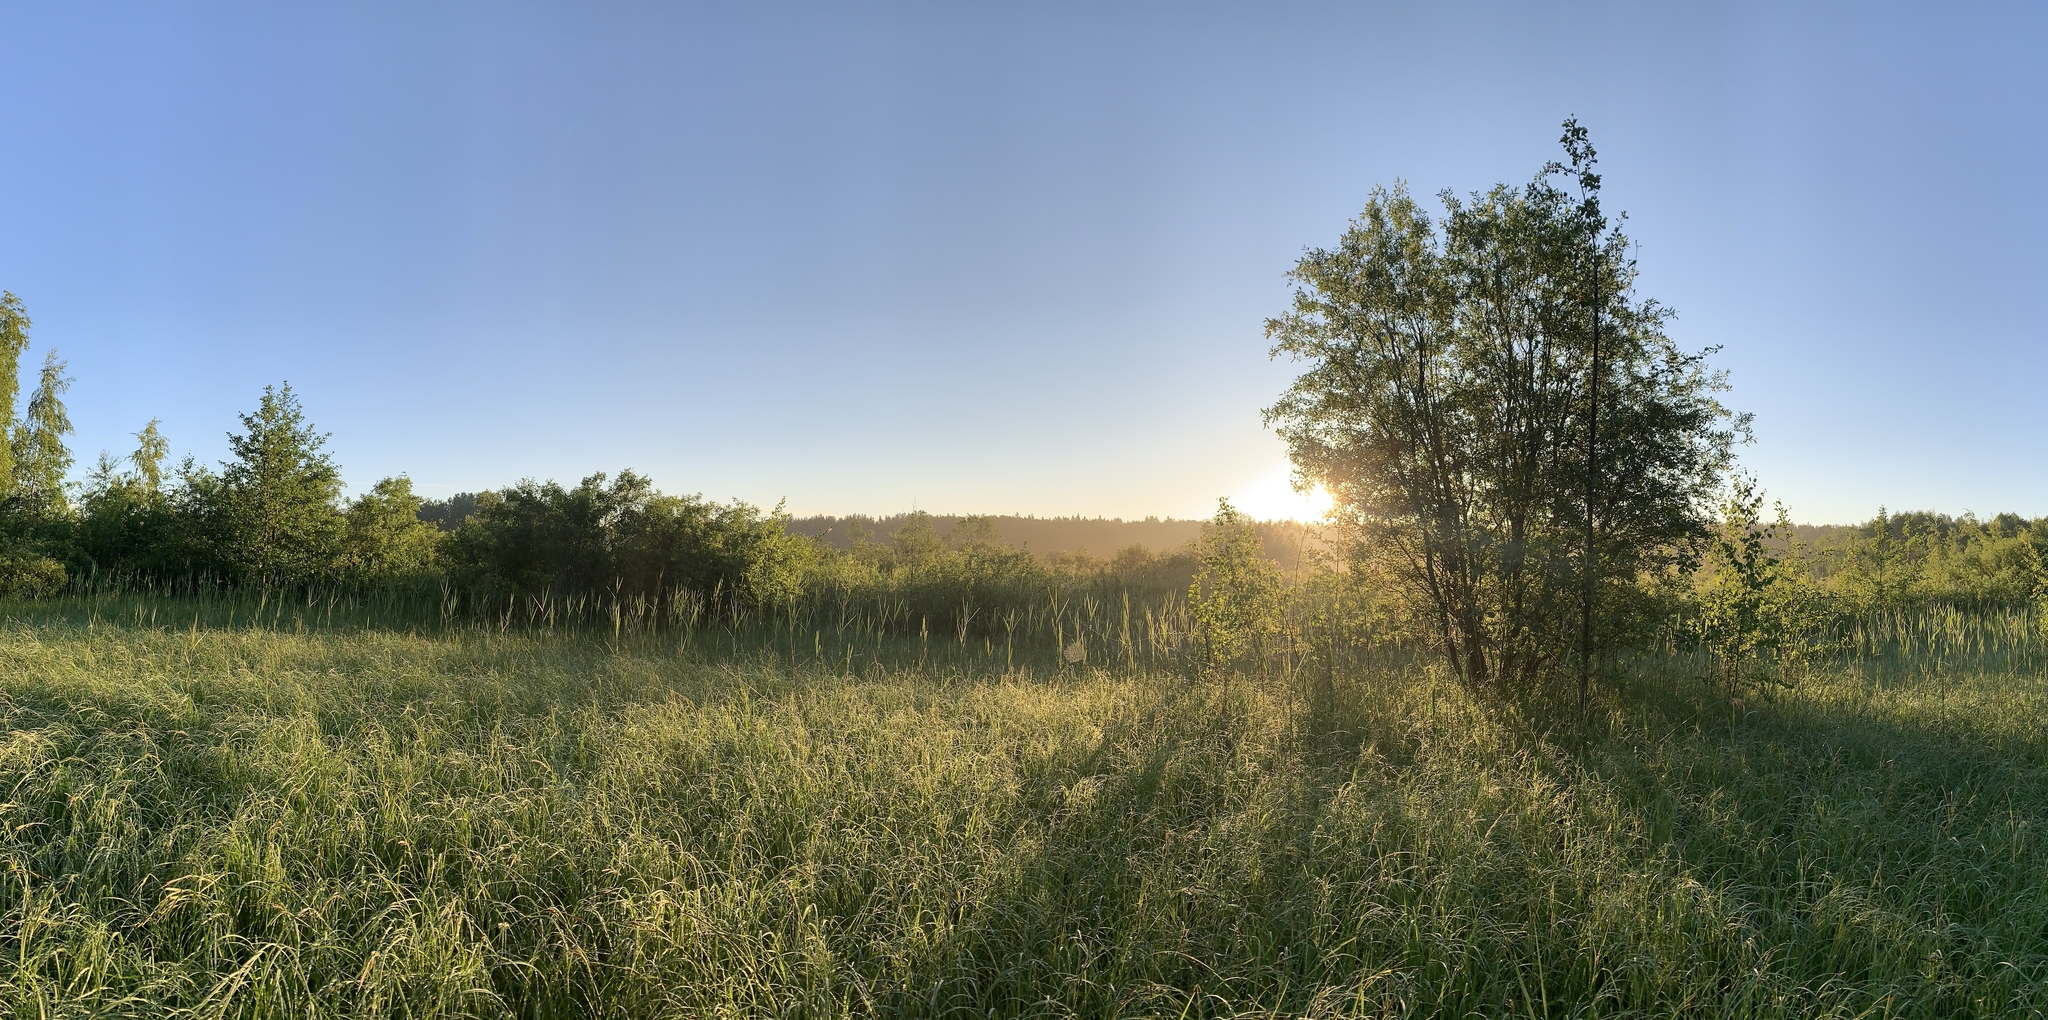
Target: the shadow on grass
(1834, 862)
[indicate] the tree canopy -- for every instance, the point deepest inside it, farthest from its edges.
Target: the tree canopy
(1447, 406)
(279, 499)
(14, 326)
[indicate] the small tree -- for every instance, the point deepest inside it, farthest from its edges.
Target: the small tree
(151, 449)
(975, 532)
(916, 540)
(1235, 598)
(280, 519)
(1885, 572)
(14, 324)
(1750, 612)
(41, 456)
(386, 539)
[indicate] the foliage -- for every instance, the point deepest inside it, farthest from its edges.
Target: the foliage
(30, 576)
(975, 532)
(126, 524)
(279, 519)
(916, 540)
(261, 808)
(385, 538)
(1896, 561)
(625, 538)
(41, 457)
(151, 450)
(1236, 596)
(272, 518)
(448, 514)
(1753, 609)
(1445, 407)
(14, 327)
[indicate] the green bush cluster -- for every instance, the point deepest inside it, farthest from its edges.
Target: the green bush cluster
(626, 539)
(272, 517)
(1773, 596)
(30, 576)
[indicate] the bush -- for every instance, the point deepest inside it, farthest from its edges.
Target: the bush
(1235, 599)
(624, 540)
(30, 576)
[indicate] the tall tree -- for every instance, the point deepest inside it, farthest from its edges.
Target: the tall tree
(41, 456)
(1449, 404)
(1579, 149)
(280, 497)
(14, 325)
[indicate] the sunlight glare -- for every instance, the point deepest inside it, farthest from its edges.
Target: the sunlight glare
(1272, 498)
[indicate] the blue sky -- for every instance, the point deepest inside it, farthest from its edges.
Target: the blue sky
(984, 257)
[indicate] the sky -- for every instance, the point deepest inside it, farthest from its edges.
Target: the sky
(865, 258)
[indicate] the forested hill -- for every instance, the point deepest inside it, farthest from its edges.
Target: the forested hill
(1042, 535)
(1283, 541)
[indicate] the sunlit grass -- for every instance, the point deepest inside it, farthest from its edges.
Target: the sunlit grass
(296, 817)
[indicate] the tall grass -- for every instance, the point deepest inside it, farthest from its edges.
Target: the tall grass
(1097, 622)
(231, 806)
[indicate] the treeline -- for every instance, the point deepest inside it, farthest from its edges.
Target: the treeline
(273, 518)
(1076, 540)
(1923, 556)
(1042, 535)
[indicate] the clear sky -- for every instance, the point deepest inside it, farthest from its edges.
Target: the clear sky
(998, 258)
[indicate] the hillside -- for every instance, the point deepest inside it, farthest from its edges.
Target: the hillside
(1284, 541)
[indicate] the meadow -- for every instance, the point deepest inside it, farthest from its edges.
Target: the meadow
(1550, 720)
(240, 808)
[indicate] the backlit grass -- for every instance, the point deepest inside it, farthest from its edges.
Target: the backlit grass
(311, 821)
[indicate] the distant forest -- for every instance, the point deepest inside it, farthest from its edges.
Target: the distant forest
(1059, 538)
(1043, 535)
(1283, 542)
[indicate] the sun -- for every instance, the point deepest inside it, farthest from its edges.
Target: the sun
(1271, 497)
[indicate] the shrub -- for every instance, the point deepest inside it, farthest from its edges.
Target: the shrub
(624, 539)
(1235, 599)
(30, 576)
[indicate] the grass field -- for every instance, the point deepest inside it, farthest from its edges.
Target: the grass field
(294, 819)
